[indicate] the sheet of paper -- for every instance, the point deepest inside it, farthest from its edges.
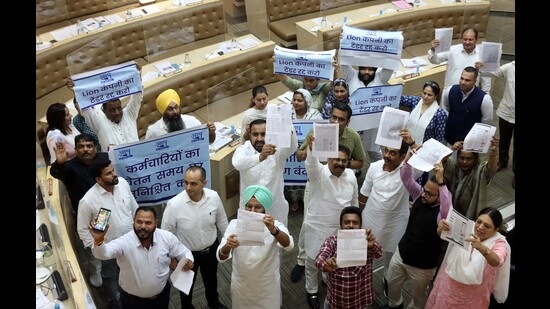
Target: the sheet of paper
(103, 20)
(431, 152)
(401, 4)
(250, 228)
(150, 76)
(63, 33)
(351, 249)
(490, 53)
(445, 37)
(150, 9)
(391, 122)
(114, 18)
(90, 24)
(286, 97)
(479, 138)
(278, 125)
(165, 67)
(326, 140)
(182, 280)
(247, 43)
(414, 62)
(461, 229)
(42, 302)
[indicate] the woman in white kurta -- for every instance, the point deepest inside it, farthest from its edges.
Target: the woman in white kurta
(255, 276)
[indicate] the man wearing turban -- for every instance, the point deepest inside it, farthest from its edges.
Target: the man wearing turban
(255, 278)
(168, 104)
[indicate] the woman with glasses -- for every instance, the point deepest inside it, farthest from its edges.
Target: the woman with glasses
(467, 278)
(427, 120)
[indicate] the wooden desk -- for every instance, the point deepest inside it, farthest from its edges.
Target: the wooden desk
(79, 295)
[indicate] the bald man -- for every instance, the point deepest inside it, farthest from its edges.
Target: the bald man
(255, 278)
(168, 104)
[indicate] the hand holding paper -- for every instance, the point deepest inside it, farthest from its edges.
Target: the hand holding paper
(428, 155)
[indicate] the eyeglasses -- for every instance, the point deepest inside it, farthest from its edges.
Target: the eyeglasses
(428, 194)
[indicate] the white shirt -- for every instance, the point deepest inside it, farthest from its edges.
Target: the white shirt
(268, 173)
(122, 204)
(194, 223)
(507, 106)
(109, 132)
(486, 105)
(159, 127)
(255, 275)
(143, 272)
(328, 195)
(457, 59)
(387, 208)
(68, 142)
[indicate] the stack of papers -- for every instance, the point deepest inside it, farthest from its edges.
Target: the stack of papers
(166, 68)
(247, 43)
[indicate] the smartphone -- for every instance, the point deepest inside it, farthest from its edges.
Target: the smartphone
(102, 219)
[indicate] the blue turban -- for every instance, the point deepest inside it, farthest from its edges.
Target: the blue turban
(261, 193)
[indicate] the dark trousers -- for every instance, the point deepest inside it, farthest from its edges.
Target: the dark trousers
(206, 262)
(506, 132)
(160, 301)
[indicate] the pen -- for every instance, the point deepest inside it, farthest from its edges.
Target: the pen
(144, 11)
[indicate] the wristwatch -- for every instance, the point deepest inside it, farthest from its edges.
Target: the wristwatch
(276, 231)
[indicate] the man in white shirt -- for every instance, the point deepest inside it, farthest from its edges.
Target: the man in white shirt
(168, 104)
(196, 216)
(144, 256)
(367, 77)
(459, 57)
(332, 187)
(114, 193)
(263, 164)
(384, 201)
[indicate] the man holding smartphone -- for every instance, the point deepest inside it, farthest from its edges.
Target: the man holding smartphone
(113, 193)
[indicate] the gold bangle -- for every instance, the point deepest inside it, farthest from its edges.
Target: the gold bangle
(99, 244)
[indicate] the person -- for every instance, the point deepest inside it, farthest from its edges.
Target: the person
(338, 94)
(426, 120)
(384, 201)
(143, 255)
(113, 124)
(466, 105)
(301, 103)
(458, 57)
(506, 112)
(195, 216)
(467, 278)
(261, 163)
(341, 114)
(114, 193)
(80, 123)
(348, 287)
(76, 176)
(333, 186)
(256, 109)
(60, 131)
(168, 104)
(467, 178)
(255, 276)
(418, 253)
(318, 90)
(367, 77)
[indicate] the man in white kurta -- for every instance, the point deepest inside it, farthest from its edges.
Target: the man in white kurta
(385, 201)
(263, 164)
(332, 187)
(255, 275)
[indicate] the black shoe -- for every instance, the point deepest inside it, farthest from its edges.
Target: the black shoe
(385, 288)
(297, 273)
(313, 301)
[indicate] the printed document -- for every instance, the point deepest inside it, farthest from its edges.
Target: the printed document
(462, 229)
(250, 228)
(490, 56)
(479, 138)
(351, 249)
(182, 279)
(391, 122)
(326, 140)
(445, 37)
(278, 125)
(430, 153)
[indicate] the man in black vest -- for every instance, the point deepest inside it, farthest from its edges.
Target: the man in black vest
(466, 105)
